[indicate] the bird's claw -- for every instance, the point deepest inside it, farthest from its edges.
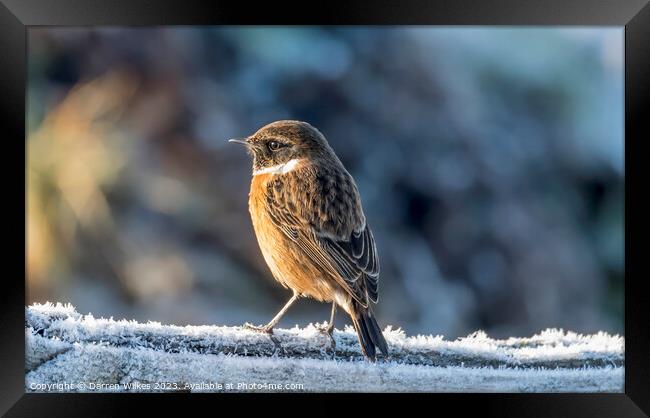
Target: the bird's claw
(265, 329)
(329, 331)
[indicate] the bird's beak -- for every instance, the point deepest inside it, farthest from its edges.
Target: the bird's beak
(243, 141)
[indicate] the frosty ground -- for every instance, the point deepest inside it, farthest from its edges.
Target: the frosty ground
(68, 351)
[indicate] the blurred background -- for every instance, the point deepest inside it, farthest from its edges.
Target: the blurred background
(489, 161)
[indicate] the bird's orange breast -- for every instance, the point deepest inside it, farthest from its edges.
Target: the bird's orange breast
(257, 205)
(270, 239)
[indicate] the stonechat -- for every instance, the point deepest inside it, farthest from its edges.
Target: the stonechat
(310, 226)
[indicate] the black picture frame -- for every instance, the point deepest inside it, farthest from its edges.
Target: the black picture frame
(17, 16)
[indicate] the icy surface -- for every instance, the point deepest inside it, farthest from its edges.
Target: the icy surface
(67, 351)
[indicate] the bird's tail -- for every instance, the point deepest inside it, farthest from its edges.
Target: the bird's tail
(368, 330)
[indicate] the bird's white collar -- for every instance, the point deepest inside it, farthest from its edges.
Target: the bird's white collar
(280, 168)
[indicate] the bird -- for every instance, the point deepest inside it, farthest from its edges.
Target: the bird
(307, 216)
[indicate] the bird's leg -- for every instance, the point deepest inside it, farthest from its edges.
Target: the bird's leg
(329, 329)
(268, 328)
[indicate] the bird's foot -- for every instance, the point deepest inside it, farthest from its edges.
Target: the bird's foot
(264, 329)
(329, 331)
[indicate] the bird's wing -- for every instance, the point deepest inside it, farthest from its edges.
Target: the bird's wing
(356, 257)
(347, 257)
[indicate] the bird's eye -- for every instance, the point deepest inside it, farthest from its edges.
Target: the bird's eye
(274, 145)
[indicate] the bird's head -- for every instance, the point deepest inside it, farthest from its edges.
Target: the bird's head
(280, 146)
